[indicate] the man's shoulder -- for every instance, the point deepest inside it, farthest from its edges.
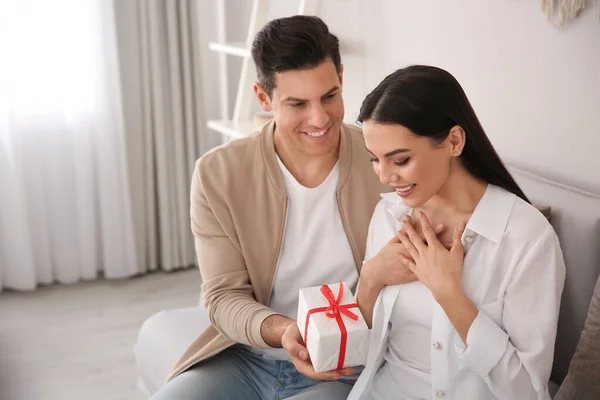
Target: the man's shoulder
(355, 132)
(361, 166)
(233, 155)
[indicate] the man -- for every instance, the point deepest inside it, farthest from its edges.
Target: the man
(286, 208)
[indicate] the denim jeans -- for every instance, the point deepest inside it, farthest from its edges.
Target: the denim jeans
(238, 373)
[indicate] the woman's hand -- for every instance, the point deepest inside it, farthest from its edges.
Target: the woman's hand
(387, 267)
(431, 262)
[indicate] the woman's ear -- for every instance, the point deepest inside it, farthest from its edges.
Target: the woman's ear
(456, 140)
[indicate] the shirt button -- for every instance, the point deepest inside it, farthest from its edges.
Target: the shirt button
(437, 345)
(469, 239)
(441, 393)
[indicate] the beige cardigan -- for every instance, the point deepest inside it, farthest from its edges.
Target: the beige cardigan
(238, 213)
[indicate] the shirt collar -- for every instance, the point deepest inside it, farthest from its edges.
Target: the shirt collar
(492, 213)
(395, 206)
(489, 218)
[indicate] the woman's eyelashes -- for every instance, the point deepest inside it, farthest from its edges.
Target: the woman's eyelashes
(398, 163)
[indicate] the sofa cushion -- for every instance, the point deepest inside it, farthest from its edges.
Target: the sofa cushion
(162, 340)
(583, 380)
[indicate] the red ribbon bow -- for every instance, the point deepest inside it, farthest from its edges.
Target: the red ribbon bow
(335, 310)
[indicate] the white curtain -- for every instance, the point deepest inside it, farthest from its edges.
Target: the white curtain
(65, 203)
(168, 89)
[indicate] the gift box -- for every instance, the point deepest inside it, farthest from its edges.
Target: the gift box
(332, 327)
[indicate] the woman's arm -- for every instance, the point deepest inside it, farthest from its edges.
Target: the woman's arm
(515, 360)
(460, 311)
(367, 292)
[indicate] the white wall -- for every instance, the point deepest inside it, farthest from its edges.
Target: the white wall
(536, 89)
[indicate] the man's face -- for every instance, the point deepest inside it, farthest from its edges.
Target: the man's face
(308, 109)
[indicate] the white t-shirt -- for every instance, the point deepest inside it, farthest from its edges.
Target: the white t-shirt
(315, 248)
(408, 356)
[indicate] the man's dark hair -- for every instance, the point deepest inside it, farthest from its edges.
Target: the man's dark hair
(293, 43)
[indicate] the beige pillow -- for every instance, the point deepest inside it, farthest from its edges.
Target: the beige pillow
(544, 210)
(583, 379)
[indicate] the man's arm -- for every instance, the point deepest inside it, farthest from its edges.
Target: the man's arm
(228, 294)
(273, 327)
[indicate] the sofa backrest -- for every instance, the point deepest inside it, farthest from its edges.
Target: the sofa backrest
(575, 215)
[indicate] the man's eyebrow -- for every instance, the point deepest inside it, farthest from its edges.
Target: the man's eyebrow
(391, 153)
(331, 91)
(296, 99)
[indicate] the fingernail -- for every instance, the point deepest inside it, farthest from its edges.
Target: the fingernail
(461, 226)
(440, 226)
(303, 355)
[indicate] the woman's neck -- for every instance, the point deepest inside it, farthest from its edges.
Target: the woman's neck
(459, 196)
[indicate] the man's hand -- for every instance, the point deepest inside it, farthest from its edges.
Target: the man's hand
(293, 344)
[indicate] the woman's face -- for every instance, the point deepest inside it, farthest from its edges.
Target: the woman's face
(415, 166)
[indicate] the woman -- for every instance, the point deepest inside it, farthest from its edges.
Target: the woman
(474, 319)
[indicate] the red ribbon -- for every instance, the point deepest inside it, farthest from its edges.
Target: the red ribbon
(335, 310)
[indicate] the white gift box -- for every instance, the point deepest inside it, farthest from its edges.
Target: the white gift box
(323, 330)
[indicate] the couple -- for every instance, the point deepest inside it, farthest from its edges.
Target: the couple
(458, 275)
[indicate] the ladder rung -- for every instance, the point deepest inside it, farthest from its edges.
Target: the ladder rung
(234, 48)
(233, 129)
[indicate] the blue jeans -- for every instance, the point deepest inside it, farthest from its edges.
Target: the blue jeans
(237, 373)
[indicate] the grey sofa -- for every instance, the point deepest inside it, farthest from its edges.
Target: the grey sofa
(575, 216)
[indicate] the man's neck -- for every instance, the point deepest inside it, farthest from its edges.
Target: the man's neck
(309, 171)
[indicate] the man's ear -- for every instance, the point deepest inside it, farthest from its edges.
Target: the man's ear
(341, 75)
(263, 98)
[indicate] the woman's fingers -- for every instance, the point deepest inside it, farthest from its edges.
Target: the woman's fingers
(412, 234)
(410, 248)
(457, 245)
(411, 265)
(428, 231)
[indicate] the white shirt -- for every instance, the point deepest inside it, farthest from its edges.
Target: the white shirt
(514, 274)
(315, 249)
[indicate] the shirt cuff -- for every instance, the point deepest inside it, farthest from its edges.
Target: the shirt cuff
(256, 338)
(486, 345)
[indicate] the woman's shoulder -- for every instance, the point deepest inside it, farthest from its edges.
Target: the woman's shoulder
(526, 222)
